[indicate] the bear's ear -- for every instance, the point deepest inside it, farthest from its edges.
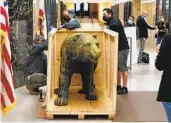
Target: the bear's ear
(78, 36)
(95, 36)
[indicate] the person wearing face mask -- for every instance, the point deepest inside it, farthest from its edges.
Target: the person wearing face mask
(143, 27)
(130, 22)
(163, 27)
(69, 21)
(115, 24)
(105, 19)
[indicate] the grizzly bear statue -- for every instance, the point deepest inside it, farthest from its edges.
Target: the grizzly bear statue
(79, 54)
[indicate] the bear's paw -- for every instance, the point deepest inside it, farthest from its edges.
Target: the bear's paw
(91, 97)
(61, 101)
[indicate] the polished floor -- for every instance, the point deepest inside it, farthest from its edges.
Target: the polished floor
(142, 78)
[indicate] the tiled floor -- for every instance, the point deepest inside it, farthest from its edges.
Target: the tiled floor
(144, 77)
(141, 78)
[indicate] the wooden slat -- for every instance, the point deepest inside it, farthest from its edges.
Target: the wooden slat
(81, 116)
(115, 70)
(81, 30)
(110, 32)
(108, 62)
(55, 62)
(50, 116)
(49, 72)
(111, 116)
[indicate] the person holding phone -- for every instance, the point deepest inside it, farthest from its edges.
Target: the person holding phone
(163, 27)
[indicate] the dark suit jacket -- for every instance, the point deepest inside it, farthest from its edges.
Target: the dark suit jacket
(163, 63)
(143, 27)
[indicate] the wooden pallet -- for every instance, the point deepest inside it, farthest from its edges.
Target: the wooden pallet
(82, 108)
(81, 116)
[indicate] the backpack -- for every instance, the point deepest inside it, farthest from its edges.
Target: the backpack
(145, 58)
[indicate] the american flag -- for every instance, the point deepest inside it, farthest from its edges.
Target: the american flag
(42, 30)
(6, 77)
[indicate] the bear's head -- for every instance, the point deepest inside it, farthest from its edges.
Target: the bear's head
(83, 47)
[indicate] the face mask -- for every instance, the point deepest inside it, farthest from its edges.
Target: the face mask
(105, 19)
(66, 18)
(130, 22)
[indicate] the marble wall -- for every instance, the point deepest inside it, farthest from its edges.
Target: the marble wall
(21, 26)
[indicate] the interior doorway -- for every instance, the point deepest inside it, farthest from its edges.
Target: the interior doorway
(94, 10)
(82, 9)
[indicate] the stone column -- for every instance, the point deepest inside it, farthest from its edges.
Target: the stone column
(21, 36)
(136, 8)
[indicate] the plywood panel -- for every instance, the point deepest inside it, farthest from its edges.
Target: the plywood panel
(79, 105)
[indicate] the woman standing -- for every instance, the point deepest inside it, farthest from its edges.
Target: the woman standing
(163, 63)
(163, 27)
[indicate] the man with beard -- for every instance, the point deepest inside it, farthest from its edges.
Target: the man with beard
(69, 21)
(123, 49)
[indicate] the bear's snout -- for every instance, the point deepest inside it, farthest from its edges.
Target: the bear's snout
(98, 54)
(95, 52)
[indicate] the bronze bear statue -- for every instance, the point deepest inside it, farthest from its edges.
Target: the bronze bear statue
(79, 54)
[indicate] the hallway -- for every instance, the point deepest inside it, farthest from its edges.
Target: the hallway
(144, 77)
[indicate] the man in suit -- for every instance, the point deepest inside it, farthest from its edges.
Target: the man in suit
(143, 32)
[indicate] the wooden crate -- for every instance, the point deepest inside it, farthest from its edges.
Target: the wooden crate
(105, 77)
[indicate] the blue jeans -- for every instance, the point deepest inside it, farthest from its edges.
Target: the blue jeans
(167, 107)
(158, 40)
